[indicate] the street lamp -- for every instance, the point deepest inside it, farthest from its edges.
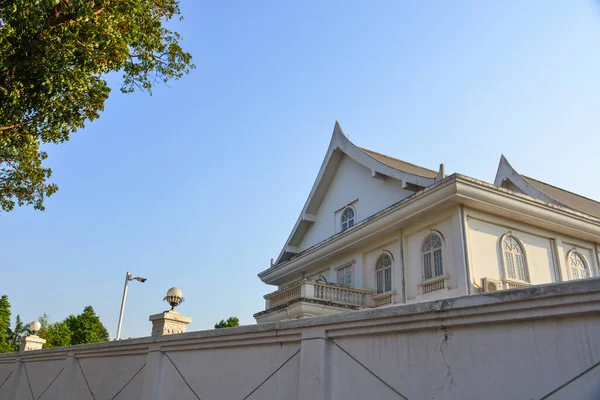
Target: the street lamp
(35, 327)
(174, 297)
(128, 278)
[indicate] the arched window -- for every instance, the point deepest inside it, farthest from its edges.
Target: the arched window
(347, 218)
(383, 272)
(432, 256)
(514, 259)
(578, 266)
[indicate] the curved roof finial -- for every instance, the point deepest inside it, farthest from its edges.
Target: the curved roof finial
(338, 128)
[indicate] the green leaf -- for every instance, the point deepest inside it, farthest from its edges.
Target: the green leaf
(54, 57)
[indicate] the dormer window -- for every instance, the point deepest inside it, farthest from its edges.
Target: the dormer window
(347, 218)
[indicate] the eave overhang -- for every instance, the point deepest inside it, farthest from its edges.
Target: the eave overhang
(453, 190)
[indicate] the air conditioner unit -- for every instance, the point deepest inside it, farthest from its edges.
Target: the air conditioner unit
(491, 284)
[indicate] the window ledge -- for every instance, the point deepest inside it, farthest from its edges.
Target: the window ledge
(383, 299)
(432, 280)
(384, 294)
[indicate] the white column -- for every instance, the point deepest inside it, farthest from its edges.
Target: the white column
(307, 290)
(314, 356)
(562, 260)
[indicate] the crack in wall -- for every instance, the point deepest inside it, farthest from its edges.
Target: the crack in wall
(441, 306)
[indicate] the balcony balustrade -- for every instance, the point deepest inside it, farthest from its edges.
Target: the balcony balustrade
(310, 289)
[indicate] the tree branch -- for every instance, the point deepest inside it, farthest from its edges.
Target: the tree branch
(13, 126)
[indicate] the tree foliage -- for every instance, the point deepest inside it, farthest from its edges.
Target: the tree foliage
(231, 322)
(86, 327)
(75, 329)
(4, 324)
(57, 334)
(53, 59)
(15, 335)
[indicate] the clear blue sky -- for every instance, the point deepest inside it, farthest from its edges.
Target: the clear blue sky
(200, 184)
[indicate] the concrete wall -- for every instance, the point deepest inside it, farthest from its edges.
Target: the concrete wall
(514, 344)
(352, 185)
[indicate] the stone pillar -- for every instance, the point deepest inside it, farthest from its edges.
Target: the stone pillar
(32, 342)
(16, 380)
(314, 358)
(169, 323)
(153, 371)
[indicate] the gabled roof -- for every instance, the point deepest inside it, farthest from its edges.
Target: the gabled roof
(569, 199)
(401, 165)
(544, 191)
(379, 164)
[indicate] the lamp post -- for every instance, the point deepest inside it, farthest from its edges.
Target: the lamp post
(35, 327)
(128, 277)
(174, 297)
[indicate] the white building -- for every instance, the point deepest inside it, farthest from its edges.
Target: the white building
(376, 230)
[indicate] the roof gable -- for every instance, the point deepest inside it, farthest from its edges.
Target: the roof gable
(569, 199)
(381, 166)
(543, 191)
(401, 165)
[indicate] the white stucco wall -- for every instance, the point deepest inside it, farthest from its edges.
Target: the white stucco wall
(518, 344)
(447, 224)
(404, 246)
(545, 251)
(546, 254)
(352, 184)
(392, 246)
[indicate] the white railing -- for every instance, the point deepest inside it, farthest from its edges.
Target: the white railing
(309, 289)
(435, 284)
(341, 294)
(283, 296)
(382, 299)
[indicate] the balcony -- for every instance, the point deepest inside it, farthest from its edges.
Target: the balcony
(307, 298)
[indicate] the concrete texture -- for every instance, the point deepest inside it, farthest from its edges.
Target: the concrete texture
(512, 344)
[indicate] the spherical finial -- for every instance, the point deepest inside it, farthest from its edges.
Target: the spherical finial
(35, 326)
(174, 297)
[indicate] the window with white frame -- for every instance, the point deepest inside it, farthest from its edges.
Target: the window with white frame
(344, 276)
(431, 252)
(383, 273)
(515, 264)
(578, 266)
(347, 218)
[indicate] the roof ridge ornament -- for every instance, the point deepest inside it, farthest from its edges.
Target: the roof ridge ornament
(441, 174)
(337, 127)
